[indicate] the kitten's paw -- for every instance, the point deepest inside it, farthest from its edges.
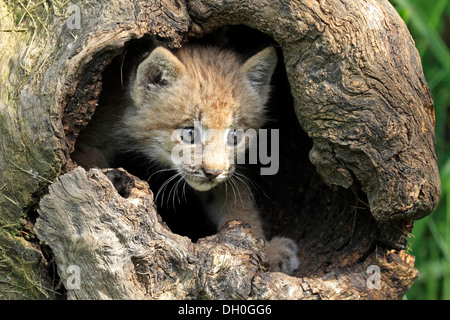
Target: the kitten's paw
(281, 254)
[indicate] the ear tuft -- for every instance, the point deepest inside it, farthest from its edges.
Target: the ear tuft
(259, 68)
(161, 68)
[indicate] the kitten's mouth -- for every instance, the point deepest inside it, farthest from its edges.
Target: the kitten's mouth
(202, 184)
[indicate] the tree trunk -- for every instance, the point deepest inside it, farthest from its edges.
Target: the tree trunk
(357, 168)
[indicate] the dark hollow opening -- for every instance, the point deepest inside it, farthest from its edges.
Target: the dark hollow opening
(332, 226)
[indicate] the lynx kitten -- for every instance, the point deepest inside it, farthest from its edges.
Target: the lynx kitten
(198, 102)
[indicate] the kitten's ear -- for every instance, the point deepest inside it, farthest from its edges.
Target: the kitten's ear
(259, 68)
(161, 67)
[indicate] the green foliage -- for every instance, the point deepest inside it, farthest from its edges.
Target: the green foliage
(429, 24)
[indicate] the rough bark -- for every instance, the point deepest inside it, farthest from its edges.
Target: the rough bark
(358, 92)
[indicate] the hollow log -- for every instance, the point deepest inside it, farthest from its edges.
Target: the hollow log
(357, 164)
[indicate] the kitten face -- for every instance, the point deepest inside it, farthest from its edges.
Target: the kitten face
(191, 111)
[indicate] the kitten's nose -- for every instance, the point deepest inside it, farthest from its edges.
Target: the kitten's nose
(210, 173)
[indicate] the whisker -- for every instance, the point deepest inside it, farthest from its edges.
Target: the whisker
(168, 196)
(159, 171)
(237, 189)
(248, 187)
(226, 195)
(232, 189)
(175, 193)
(184, 190)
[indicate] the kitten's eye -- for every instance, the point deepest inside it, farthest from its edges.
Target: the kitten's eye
(189, 135)
(234, 137)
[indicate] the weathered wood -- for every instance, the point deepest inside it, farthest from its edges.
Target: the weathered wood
(358, 92)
